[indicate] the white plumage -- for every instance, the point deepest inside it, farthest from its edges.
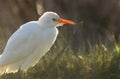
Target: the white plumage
(30, 42)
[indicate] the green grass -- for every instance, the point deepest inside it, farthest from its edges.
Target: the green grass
(98, 62)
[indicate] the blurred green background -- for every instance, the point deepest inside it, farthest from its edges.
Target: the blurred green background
(88, 50)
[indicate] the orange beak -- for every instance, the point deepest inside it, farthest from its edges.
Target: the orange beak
(64, 21)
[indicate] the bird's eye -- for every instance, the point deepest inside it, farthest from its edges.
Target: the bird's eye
(54, 19)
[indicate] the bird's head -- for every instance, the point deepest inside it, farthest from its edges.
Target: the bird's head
(52, 19)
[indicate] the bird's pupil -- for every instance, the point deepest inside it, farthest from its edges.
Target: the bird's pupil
(54, 19)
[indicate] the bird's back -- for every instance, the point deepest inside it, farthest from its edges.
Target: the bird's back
(26, 46)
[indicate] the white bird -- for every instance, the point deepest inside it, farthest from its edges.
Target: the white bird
(30, 42)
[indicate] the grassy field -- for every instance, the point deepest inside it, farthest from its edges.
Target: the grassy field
(98, 62)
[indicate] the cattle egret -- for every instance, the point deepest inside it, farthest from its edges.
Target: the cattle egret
(30, 42)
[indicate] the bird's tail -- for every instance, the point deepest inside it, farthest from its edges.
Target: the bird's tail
(2, 68)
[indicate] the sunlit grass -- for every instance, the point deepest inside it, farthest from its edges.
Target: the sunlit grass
(97, 62)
